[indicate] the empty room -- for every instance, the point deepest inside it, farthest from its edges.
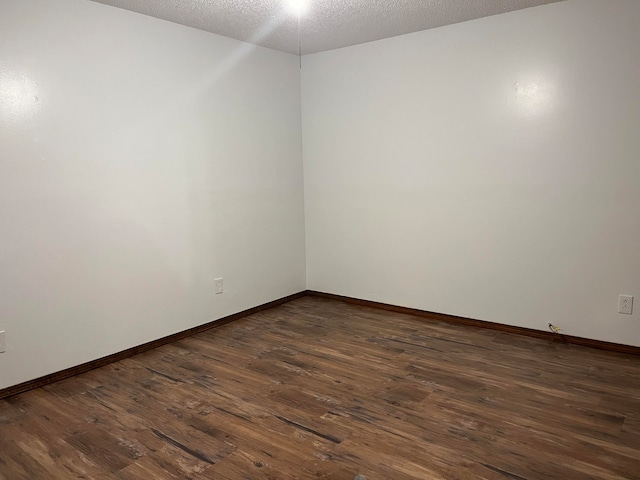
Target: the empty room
(319, 239)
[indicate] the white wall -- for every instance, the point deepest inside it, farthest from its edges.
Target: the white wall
(489, 169)
(139, 159)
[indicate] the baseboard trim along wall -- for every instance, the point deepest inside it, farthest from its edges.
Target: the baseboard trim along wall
(442, 317)
(101, 362)
(421, 314)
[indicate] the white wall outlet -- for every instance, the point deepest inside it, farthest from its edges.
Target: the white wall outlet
(3, 344)
(625, 304)
(217, 285)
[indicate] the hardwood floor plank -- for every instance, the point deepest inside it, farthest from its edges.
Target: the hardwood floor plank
(318, 388)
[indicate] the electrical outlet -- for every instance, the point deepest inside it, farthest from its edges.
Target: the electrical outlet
(3, 344)
(625, 304)
(217, 286)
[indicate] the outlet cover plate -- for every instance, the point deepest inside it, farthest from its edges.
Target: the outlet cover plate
(625, 304)
(217, 286)
(3, 345)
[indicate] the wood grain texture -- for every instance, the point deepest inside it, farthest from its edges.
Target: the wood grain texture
(319, 388)
(100, 362)
(85, 367)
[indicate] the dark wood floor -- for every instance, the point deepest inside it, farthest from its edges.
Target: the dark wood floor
(320, 389)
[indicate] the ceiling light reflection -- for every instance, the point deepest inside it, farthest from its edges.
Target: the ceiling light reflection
(18, 96)
(534, 95)
(298, 7)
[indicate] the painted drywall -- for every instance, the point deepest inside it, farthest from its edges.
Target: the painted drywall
(489, 169)
(139, 160)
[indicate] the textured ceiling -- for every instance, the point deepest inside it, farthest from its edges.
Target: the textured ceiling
(326, 24)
